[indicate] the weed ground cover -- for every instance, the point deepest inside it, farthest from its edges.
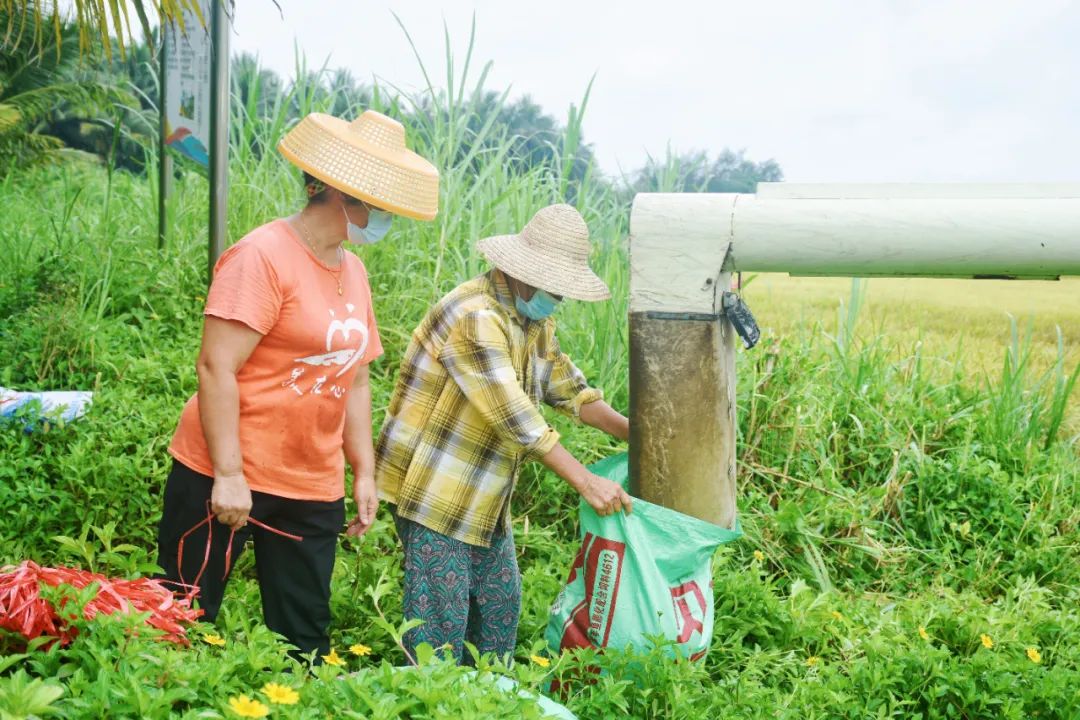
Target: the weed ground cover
(912, 542)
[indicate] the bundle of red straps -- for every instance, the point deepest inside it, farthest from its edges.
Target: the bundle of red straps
(23, 610)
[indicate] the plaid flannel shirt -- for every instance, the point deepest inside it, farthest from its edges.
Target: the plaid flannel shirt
(465, 411)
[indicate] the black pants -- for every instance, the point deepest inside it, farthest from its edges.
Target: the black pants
(294, 576)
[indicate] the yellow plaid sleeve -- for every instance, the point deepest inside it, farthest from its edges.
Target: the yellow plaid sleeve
(567, 389)
(477, 357)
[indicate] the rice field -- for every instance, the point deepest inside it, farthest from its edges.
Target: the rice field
(971, 322)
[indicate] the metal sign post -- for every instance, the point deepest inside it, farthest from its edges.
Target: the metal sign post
(219, 134)
(195, 108)
(164, 158)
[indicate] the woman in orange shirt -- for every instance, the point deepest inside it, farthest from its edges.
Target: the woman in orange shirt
(283, 395)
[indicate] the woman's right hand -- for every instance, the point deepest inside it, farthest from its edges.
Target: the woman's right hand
(605, 496)
(230, 500)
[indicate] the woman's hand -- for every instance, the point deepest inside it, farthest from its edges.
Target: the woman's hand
(367, 502)
(230, 500)
(605, 496)
(360, 453)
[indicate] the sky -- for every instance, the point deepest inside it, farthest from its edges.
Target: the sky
(834, 90)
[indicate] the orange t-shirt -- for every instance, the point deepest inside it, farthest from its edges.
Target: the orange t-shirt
(294, 385)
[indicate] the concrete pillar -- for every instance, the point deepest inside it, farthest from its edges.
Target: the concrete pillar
(682, 413)
(682, 356)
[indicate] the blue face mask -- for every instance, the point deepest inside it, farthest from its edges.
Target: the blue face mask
(378, 224)
(541, 305)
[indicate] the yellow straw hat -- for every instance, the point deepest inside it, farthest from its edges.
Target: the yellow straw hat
(550, 253)
(366, 159)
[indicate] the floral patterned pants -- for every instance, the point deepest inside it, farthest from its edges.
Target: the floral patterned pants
(462, 593)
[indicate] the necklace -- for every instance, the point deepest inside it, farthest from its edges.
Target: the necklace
(307, 239)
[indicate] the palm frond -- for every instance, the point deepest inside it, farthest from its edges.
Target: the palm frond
(40, 23)
(10, 118)
(34, 105)
(22, 148)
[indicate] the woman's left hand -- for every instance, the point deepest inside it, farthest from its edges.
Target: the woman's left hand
(367, 502)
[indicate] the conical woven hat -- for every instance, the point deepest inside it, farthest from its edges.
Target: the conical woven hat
(551, 253)
(366, 159)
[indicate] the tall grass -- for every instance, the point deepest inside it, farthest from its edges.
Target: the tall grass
(874, 485)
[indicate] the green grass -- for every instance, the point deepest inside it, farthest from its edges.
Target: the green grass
(953, 321)
(888, 485)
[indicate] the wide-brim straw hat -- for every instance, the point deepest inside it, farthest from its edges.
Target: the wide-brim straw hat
(550, 253)
(366, 159)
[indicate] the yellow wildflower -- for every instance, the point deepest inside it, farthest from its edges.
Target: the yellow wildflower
(280, 694)
(246, 707)
(213, 639)
(333, 658)
(987, 642)
(923, 634)
(541, 661)
(812, 660)
(837, 615)
(359, 649)
(759, 556)
(1034, 655)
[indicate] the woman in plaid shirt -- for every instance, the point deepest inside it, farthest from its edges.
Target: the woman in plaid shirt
(465, 416)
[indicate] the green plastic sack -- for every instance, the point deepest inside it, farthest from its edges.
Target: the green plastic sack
(637, 577)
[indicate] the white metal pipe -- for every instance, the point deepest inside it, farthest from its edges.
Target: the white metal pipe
(1033, 237)
(1022, 231)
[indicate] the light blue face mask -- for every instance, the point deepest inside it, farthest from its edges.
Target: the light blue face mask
(541, 305)
(378, 224)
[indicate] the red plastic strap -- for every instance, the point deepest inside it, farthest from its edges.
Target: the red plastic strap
(209, 522)
(24, 611)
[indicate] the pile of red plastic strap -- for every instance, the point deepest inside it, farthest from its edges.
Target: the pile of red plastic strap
(23, 610)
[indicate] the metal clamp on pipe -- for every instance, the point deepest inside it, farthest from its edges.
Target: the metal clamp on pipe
(737, 312)
(733, 308)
